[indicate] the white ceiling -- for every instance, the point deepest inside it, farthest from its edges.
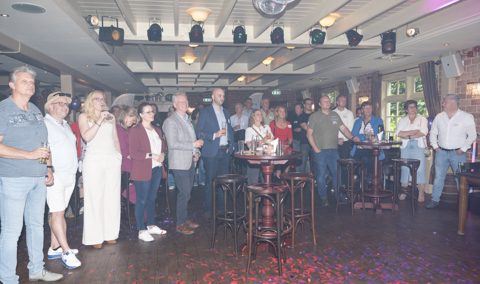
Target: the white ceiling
(60, 41)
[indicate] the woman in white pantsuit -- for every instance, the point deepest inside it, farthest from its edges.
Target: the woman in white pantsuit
(101, 172)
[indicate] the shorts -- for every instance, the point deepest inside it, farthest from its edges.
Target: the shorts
(58, 194)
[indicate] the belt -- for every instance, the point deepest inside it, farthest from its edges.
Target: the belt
(448, 150)
(223, 147)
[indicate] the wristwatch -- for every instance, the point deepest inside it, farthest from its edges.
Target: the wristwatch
(150, 155)
(51, 167)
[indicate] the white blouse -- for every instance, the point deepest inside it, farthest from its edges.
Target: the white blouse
(420, 123)
(250, 132)
(155, 145)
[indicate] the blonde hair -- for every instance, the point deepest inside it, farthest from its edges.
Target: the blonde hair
(88, 106)
(276, 112)
(251, 119)
(124, 112)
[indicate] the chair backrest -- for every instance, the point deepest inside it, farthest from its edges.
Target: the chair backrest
(468, 167)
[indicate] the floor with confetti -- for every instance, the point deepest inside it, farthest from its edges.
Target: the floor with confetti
(363, 248)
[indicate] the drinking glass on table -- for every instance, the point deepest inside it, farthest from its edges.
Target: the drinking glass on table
(109, 116)
(44, 145)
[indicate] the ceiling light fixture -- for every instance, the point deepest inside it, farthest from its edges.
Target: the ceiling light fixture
(154, 33)
(268, 60)
(189, 59)
(389, 41)
(354, 38)
(196, 33)
(111, 35)
(291, 47)
(199, 14)
(329, 20)
(276, 36)
(4, 15)
(317, 37)
(241, 78)
(412, 32)
(239, 35)
(193, 45)
(91, 20)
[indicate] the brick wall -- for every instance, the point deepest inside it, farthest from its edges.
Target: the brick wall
(365, 88)
(467, 102)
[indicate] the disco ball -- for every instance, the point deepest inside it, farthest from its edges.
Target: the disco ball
(268, 7)
(283, 2)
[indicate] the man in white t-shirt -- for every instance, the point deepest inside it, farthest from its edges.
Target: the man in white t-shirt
(452, 134)
(239, 120)
(64, 160)
(344, 144)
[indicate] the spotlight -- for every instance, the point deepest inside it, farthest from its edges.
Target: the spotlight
(239, 35)
(411, 32)
(354, 38)
(155, 33)
(388, 42)
(277, 36)
(111, 35)
(196, 34)
(318, 37)
(91, 20)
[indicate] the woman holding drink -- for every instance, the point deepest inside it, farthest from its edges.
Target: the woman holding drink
(282, 129)
(101, 172)
(256, 129)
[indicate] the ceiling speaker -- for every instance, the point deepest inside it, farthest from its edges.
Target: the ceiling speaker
(352, 85)
(453, 65)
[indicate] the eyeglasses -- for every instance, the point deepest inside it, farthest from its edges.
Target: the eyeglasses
(62, 104)
(62, 95)
(100, 99)
(148, 112)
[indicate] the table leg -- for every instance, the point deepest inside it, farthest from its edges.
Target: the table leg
(376, 180)
(267, 172)
(462, 205)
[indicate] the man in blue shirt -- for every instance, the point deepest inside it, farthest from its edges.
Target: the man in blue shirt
(22, 178)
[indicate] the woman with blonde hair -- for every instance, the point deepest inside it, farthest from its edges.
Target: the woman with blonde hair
(282, 129)
(101, 172)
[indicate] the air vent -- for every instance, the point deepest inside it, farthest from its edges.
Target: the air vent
(102, 64)
(393, 57)
(28, 8)
(250, 50)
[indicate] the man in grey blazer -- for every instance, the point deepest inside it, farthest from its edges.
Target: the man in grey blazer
(183, 153)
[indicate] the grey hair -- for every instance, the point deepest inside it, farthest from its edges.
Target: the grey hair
(453, 97)
(340, 96)
(174, 98)
(26, 69)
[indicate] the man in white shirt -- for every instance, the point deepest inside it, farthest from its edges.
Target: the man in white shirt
(64, 160)
(344, 144)
(267, 114)
(239, 120)
(453, 132)
(247, 111)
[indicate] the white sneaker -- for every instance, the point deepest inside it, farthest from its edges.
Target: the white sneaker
(54, 254)
(172, 187)
(45, 275)
(70, 261)
(156, 231)
(145, 236)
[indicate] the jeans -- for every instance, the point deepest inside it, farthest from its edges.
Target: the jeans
(22, 197)
(305, 149)
(184, 182)
(171, 180)
(412, 151)
(326, 158)
(214, 166)
(443, 160)
(367, 157)
(146, 196)
(201, 173)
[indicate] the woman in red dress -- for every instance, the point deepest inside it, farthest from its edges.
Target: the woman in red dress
(282, 129)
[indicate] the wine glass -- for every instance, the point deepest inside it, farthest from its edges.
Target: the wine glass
(109, 116)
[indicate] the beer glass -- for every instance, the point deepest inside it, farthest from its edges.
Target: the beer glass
(44, 145)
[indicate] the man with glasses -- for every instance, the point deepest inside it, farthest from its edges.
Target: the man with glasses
(247, 110)
(23, 179)
(64, 159)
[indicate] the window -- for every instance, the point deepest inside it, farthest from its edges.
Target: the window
(332, 97)
(418, 85)
(396, 88)
(396, 110)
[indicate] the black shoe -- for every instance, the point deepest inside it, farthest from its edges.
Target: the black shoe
(325, 202)
(208, 216)
(433, 204)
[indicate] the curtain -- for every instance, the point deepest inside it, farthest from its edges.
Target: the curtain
(315, 95)
(430, 87)
(377, 94)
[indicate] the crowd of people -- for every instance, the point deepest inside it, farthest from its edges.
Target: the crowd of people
(39, 159)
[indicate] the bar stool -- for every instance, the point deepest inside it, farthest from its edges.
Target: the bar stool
(125, 182)
(350, 189)
(296, 181)
(412, 165)
(272, 229)
(230, 184)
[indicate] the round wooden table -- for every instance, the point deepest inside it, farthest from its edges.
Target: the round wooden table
(377, 192)
(267, 162)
